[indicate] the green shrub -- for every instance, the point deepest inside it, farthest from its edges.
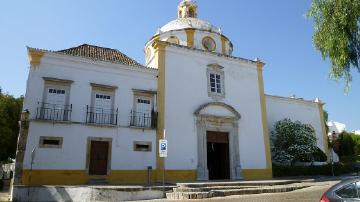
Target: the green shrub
(286, 171)
(349, 144)
(294, 142)
(1, 184)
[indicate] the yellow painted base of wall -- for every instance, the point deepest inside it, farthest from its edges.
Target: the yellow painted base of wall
(54, 177)
(180, 175)
(80, 177)
(257, 174)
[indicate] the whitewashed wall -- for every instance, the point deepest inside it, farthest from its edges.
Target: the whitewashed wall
(72, 155)
(186, 90)
(83, 72)
(279, 108)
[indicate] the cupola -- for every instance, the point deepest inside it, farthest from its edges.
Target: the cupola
(187, 9)
(188, 30)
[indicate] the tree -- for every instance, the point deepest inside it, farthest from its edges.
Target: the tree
(337, 35)
(10, 110)
(293, 141)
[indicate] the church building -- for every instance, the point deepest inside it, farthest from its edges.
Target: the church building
(93, 113)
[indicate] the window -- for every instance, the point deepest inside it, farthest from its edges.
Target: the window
(215, 79)
(55, 102)
(50, 142)
(142, 146)
(215, 83)
(349, 191)
(101, 110)
(141, 115)
(191, 13)
(173, 39)
(147, 54)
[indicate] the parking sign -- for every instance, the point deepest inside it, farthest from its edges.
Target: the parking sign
(163, 148)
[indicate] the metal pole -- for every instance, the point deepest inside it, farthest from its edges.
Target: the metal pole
(163, 183)
(332, 162)
(31, 165)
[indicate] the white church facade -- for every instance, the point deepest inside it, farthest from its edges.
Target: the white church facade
(96, 114)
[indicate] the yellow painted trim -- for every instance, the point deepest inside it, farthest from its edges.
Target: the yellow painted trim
(159, 47)
(53, 177)
(257, 174)
(80, 177)
(35, 56)
(223, 45)
(190, 37)
(259, 66)
(180, 175)
(323, 129)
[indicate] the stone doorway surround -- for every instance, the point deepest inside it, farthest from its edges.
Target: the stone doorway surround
(219, 117)
(88, 152)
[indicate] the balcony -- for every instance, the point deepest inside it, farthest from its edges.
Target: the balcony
(53, 112)
(101, 116)
(143, 120)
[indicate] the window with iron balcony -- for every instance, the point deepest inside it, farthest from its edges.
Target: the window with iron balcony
(55, 105)
(143, 114)
(102, 111)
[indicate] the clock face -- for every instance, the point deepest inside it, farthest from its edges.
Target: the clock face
(209, 44)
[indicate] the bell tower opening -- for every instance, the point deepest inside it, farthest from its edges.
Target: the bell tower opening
(187, 9)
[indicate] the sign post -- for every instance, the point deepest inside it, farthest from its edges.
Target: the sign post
(163, 148)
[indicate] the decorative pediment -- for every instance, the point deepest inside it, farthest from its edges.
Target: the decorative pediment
(217, 109)
(215, 66)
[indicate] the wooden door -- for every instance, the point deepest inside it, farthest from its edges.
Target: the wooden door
(98, 158)
(218, 155)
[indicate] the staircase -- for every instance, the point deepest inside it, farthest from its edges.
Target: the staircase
(185, 191)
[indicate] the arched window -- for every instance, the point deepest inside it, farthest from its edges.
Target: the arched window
(173, 39)
(191, 13)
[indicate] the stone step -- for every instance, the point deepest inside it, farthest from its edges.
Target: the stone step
(273, 189)
(98, 182)
(203, 189)
(237, 183)
(229, 192)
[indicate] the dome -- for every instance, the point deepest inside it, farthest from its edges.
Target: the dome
(184, 23)
(189, 31)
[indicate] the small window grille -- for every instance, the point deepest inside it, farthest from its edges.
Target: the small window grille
(142, 146)
(50, 142)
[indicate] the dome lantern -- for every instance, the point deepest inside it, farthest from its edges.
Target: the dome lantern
(187, 9)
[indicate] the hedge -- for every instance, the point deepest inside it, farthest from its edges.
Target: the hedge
(286, 171)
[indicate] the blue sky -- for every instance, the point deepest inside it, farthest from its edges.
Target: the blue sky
(275, 31)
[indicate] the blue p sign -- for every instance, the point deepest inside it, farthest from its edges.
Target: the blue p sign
(163, 148)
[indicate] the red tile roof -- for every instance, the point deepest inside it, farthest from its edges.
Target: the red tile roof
(100, 53)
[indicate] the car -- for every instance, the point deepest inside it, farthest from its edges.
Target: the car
(346, 190)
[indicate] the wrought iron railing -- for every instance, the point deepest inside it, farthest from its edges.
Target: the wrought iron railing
(101, 116)
(143, 120)
(53, 112)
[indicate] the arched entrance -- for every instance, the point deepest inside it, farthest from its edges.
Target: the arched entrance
(218, 142)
